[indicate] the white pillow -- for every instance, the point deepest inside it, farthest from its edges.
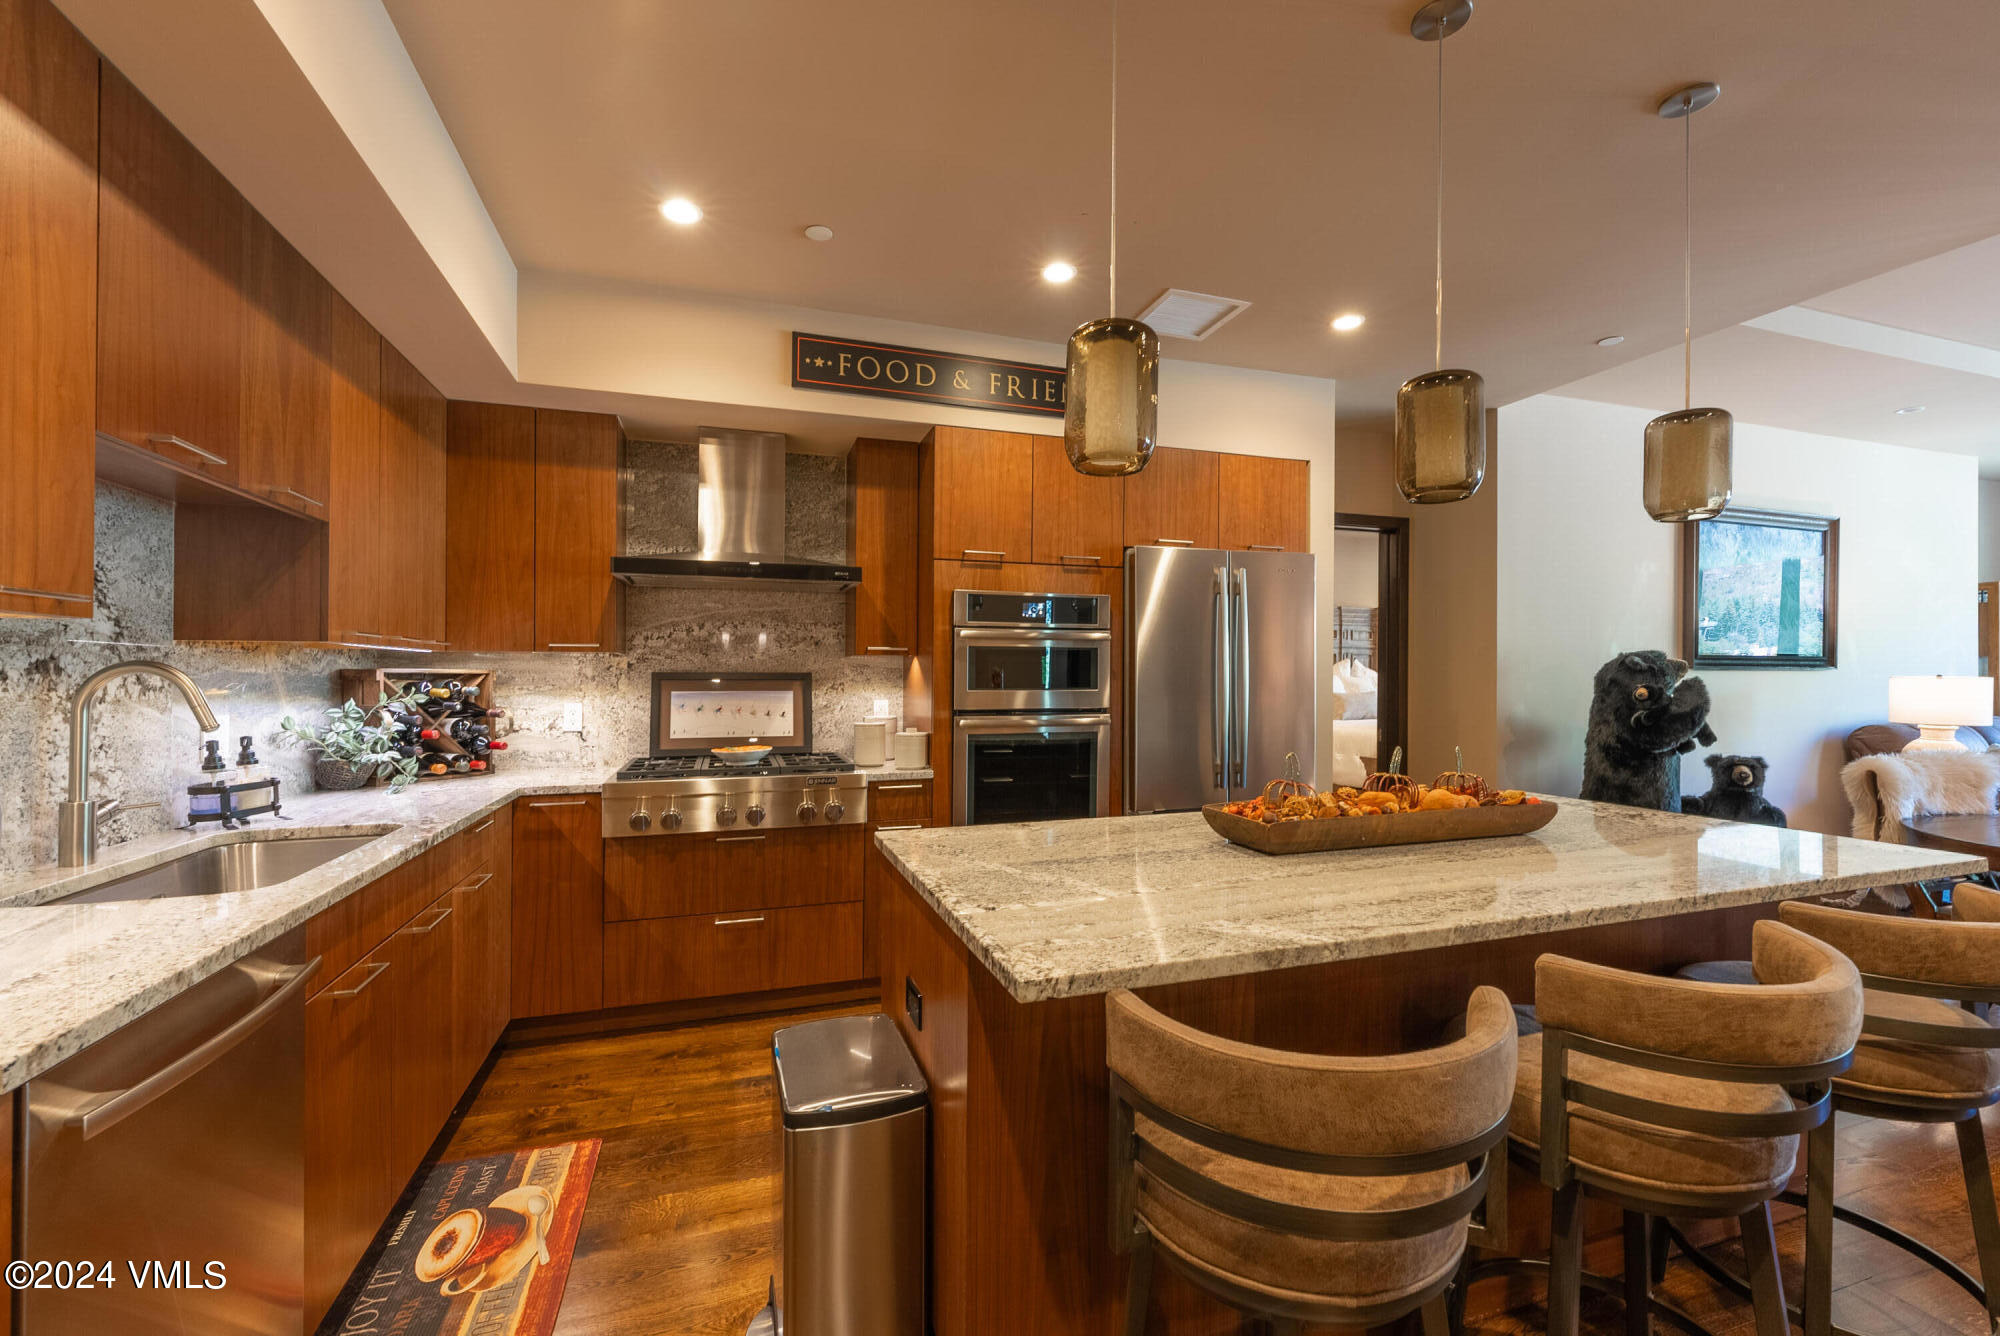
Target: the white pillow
(1350, 699)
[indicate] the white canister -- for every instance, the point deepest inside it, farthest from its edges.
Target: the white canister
(871, 742)
(913, 749)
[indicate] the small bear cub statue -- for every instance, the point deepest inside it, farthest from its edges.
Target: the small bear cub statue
(1736, 792)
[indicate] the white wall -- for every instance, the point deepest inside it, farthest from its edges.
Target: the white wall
(1357, 568)
(1585, 573)
(1989, 529)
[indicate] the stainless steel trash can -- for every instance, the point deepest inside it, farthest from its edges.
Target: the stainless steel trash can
(854, 1104)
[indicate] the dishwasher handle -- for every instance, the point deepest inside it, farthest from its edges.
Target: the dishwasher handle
(115, 1109)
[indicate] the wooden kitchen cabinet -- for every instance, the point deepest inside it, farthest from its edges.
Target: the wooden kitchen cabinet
(481, 966)
(578, 604)
(490, 526)
(410, 525)
(420, 980)
(978, 494)
(558, 906)
(351, 1177)
(357, 560)
(1079, 520)
(48, 318)
(1265, 504)
(715, 955)
(670, 876)
(1175, 500)
(883, 483)
(286, 404)
(169, 313)
(902, 804)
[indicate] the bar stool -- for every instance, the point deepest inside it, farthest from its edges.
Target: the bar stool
(1924, 1057)
(1301, 1188)
(1669, 1096)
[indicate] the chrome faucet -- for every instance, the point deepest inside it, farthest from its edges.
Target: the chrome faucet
(77, 816)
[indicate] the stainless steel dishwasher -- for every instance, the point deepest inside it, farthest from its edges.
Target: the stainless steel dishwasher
(171, 1145)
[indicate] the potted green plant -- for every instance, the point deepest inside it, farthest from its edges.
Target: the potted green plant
(353, 746)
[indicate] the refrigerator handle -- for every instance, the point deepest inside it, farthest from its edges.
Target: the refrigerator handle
(1240, 753)
(1218, 694)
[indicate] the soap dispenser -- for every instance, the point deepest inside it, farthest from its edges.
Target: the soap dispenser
(248, 768)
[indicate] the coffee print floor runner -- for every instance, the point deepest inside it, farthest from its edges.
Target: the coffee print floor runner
(482, 1250)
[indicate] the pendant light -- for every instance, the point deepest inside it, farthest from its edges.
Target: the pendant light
(1440, 415)
(1687, 453)
(1111, 402)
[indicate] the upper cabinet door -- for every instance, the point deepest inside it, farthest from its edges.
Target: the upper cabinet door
(1175, 500)
(882, 477)
(412, 522)
(490, 534)
(358, 563)
(983, 494)
(287, 379)
(1079, 520)
(1266, 504)
(48, 329)
(169, 313)
(578, 604)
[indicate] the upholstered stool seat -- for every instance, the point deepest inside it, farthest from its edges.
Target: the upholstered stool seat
(1648, 1159)
(1893, 1069)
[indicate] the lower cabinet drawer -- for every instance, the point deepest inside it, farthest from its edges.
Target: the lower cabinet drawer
(715, 955)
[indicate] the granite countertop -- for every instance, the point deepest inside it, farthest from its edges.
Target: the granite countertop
(1071, 908)
(876, 774)
(71, 974)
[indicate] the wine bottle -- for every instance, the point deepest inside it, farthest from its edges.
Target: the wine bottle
(460, 763)
(434, 764)
(478, 764)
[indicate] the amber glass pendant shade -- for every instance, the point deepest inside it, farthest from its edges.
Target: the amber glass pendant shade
(1441, 436)
(1111, 405)
(1687, 464)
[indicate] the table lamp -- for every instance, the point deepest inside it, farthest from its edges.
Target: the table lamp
(1939, 707)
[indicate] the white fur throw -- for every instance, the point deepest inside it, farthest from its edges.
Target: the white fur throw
(1914, 784)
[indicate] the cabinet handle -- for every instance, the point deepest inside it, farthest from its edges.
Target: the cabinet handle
(571, 644)
(567, 802)
(375, 968)
(738, 839)
(169, 439)
(866, 649)
(470, 885)
(295, 493)
(488, 825)
(1082, 556)
(883, 830)
(968, 553)
(892, 788)
(723, 923)
(1173, 542)
(442, 915)
(1267, 547)
(44, 593)
(421, 641)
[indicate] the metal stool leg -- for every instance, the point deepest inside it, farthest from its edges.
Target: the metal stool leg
(1767, 1287)
(1437, 1317)
(1985, 1216)
(1138, 1284)
(1566, 1261)
(1638, 1275)
(1817, 1312)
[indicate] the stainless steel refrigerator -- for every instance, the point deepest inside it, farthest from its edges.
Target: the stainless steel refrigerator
(1219, 673)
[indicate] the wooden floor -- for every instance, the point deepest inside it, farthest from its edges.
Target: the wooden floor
(680, 1234)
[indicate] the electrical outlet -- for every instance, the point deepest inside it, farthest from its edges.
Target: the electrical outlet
(881, 707)
(572, 717)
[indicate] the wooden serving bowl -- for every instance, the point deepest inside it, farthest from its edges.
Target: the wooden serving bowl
(1323, 834)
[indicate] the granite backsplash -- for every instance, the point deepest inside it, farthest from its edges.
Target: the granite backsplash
(146, 743)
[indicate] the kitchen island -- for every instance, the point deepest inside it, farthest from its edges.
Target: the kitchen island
(999, 941)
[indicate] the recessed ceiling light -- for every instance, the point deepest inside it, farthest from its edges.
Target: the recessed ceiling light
(819, 232)
(1350, 322)
(1058, 271)
(681, 210)
(1611, 340)
(1909, 409)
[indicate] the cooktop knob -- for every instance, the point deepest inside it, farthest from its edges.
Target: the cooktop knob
(640, 820)
(671, 818)
(725, 816)
(807, 812)
(835, 809)
(756, 814)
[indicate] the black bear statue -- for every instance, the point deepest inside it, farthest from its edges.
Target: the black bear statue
(1736, 792)
(1645, 714)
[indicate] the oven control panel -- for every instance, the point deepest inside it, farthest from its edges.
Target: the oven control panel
(732, 806)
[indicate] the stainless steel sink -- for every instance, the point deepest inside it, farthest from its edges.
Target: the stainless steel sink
(243, 866)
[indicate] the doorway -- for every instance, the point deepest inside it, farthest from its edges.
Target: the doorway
(1371, 568)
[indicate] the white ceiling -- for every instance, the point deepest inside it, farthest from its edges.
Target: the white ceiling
(1272, 150)
(1842, 363)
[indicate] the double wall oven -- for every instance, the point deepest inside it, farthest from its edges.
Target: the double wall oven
(1031, 702)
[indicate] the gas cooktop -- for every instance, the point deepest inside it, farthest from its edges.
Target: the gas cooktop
(700, 763)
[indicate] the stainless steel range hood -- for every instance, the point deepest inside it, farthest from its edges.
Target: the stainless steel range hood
(741, 518)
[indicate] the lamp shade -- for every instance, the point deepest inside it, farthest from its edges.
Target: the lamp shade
(1688, 464)
(1111, 405)
(1441, 436)
(1941, 702)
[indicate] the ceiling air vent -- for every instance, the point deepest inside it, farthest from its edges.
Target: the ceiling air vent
(1179, 314)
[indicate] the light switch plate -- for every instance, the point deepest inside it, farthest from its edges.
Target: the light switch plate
(572, 716)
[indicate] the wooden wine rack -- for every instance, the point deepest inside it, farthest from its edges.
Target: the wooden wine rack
(369, 687)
